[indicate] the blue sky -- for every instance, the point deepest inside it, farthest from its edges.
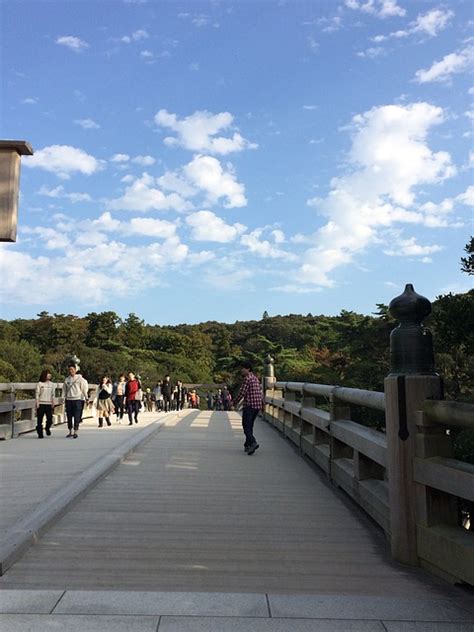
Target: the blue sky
(209, 161)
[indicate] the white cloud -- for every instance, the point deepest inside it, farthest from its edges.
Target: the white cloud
(51, 237)
(197, 19)
(207, 174)
(136, 36)
(198, 132)
(143, 195)
(312, 44)
(278, 236)
(432, 22)
(230, 275)
(195, 66)
(410, 248)
(120, 158)
(330, 25)
(389, 158)
(87, 123)
(429, 24)
(441, 71)
(310, 107)
(206, 226)
(147, 54)
(152, 227)
(107, 223)
(264, 248)
(172, 182)
(73, 43)
(30, 101)
(63, 160)
(372, 52)
(144, 161)
(378, 8)
(60, 193)
(467, 197)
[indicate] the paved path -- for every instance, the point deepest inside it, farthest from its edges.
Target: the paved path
(32, 469)
(191, 534)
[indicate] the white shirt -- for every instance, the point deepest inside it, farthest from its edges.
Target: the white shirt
(75, 387)
(44, 393)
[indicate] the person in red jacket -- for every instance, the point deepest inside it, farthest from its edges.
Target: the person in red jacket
(133, 403)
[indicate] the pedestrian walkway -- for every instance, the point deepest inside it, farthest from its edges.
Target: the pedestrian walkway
(189, 533)
(31, 470)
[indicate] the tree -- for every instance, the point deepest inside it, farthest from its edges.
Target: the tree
(467, 263)
(102, 330)
(133, 332)
(453, 324)
(265, 315)
(23, 357)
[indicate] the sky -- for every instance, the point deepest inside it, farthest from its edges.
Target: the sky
(203, 161)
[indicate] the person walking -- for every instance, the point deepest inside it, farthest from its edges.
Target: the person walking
(251, 396)
(75, 390)
(226, 398)
(44, 403)
(132, 395)
(148, 400)
(179, 395)
(118, 397)
(103, 401)
(166, 391)
(218, 403)
(158, 397)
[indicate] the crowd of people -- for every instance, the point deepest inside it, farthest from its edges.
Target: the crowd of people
(127, 395)
(123, 397)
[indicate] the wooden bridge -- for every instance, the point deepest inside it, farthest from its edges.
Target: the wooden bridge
(170, 526)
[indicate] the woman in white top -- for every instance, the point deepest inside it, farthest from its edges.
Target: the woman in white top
(103, 401)
(44, 396)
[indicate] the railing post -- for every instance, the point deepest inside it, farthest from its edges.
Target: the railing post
(412, 379)
(268, 381)
(12, 397)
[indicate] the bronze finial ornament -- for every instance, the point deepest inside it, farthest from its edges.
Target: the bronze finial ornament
(411, 344)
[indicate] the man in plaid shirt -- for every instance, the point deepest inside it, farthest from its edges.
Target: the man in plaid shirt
(251, 395)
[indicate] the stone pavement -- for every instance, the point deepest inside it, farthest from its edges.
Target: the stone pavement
(112, 611)
(189, 534)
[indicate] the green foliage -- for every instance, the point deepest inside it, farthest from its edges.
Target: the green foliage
(350, 349)
(467, 263)
(23, 358)
(464, 446)
(452, 322)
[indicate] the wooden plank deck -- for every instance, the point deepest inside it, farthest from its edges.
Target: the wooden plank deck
(190, 511)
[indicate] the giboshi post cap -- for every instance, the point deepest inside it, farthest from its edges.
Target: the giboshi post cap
(410, 308)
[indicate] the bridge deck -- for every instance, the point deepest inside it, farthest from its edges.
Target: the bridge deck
(190, 511)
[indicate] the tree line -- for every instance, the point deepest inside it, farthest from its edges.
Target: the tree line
(349, 349)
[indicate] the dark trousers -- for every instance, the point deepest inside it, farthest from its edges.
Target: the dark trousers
(133, 406)
(44, 410)
(119, 406)
(74, 409)
(167, 403)
(248, 418)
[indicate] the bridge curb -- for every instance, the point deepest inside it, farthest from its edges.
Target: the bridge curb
(29, 529)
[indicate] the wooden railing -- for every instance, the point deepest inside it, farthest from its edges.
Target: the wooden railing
(362, 460)
(17, 407)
